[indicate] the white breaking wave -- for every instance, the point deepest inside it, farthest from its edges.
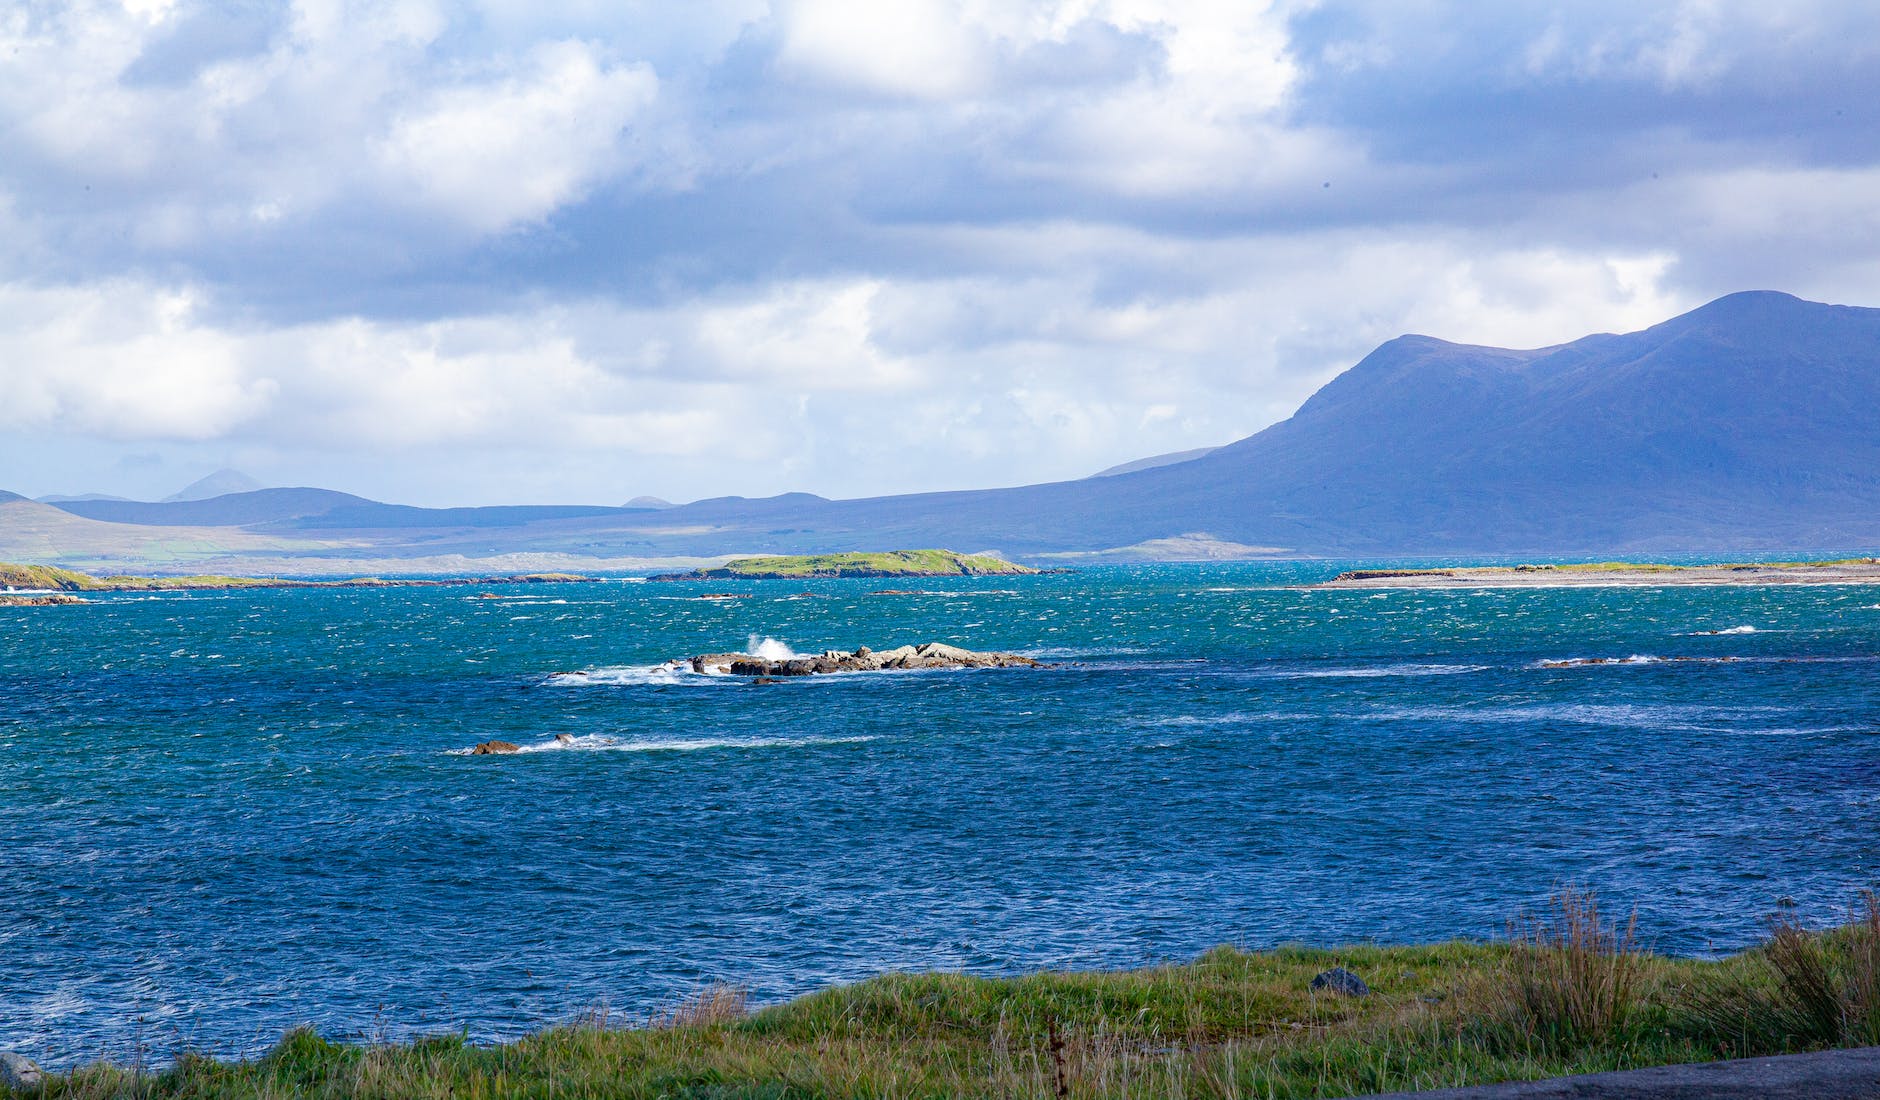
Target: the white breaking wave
(598, 742)
(1367, 671)
(770, 649)
(671, 672)
(1729, 630)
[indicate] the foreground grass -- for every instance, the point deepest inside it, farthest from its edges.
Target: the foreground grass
(1567, 994)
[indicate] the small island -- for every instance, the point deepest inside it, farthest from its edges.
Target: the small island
(39, 585)
(875, 564)
(1608, 573)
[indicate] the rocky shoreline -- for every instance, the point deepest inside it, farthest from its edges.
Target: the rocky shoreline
(1600, 574)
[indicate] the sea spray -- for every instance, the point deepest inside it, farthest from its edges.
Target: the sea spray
(770, 649)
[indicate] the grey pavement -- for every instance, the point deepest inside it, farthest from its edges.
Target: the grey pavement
(1828, 1075)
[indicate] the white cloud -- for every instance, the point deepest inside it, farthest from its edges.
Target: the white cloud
(121, 361)
(494, 153)
(829, 386)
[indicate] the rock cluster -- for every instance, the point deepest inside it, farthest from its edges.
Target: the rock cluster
(926, 655)
(495, 748)
(13, 600)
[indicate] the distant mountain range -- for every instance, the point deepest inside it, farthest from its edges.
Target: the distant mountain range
(1749, 424)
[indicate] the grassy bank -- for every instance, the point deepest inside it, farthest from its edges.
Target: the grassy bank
(1567, 993)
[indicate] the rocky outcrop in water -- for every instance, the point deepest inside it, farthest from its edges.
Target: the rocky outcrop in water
(926, 655)
(12, 599)
(495, 748)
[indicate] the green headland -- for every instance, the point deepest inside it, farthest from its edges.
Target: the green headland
(66, 580)
(883, 563)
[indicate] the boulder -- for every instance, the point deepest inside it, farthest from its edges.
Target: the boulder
(18, 1074)
(718, 662)
(564, 739)
(493, 748)
(1342, 982)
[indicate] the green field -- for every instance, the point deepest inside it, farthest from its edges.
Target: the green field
(1567, 993)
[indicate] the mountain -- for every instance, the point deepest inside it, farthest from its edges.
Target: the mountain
(1745, 425)
(219, 484)
(66, 498)
(1153, 461)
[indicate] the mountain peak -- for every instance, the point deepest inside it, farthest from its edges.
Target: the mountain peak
(219, 484)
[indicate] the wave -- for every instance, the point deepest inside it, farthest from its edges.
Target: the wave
(1368, 671)
(1048, 653)
(671, 672)
(1727, 630)
(600, 742)
(770, 649)
(1663, 717)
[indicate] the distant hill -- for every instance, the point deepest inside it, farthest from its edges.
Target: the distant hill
(321, 510)
(219, 484)
(1745, 425)
(66, 498)
(1153, 461)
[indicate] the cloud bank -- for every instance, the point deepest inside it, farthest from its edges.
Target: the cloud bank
(481, 252)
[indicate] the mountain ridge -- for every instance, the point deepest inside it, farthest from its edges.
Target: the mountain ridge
(1744, 424)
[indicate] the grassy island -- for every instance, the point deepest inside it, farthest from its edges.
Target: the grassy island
(1566, 993)
(882, 563)
(1590, 574)
(48, 578)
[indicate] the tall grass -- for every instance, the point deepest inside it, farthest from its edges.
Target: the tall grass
(1806, 990)
(1573, 976)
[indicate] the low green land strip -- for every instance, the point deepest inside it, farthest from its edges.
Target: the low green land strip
(884, 563)
(1569, 994)
(66, 580)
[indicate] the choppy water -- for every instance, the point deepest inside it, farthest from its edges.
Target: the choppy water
(222, 814)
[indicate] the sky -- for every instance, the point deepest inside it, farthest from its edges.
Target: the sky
(528, 252)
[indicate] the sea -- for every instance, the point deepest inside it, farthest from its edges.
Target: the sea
(225, 814)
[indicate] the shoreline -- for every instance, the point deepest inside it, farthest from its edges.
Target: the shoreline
(1850, 571)
(1568, 993)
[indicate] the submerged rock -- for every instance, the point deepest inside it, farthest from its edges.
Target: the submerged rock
(493, 748)
(1341, 981)
(18, 1073)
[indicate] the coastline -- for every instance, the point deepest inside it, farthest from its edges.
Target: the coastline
(1569, 993)
(1614, 575)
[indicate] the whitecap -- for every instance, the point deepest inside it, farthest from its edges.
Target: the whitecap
(1727, 630)
(670, 672)
(1368, 671)
(600, 742)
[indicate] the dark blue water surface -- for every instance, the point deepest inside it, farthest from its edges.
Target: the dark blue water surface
(223, 814)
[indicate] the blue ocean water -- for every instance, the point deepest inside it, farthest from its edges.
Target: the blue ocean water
(223, 814)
